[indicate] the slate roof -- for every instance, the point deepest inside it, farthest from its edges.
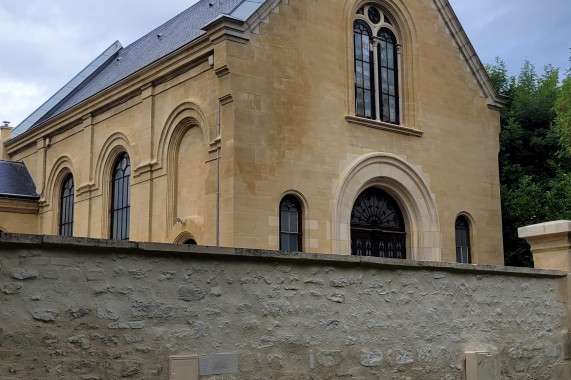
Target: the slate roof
(117, 63)
(16, 182)
(124, 62)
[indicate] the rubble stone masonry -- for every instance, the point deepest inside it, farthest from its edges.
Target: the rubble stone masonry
(95, 309)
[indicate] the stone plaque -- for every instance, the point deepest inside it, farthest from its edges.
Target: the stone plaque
(183, 368)
(218, 364)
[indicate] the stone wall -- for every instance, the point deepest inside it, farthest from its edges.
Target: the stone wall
(94, 309)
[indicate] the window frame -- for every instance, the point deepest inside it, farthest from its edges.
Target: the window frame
(66, 206)
(299, 223)
(465, 227)
(376, 29)
(407, 99)
(377, 218)
(120, 209)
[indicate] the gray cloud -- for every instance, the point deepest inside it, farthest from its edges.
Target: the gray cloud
(518, 30)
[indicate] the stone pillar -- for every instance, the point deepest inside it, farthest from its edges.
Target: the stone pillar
(5, 134)
(550, 244)
(551, 247)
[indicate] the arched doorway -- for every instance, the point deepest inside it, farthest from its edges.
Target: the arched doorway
(377, 226)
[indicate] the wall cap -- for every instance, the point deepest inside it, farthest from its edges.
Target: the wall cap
(549, 228)
(82, 245)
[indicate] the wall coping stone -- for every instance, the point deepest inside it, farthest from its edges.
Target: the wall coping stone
(218, 253)
(550, 244)
(541, 229)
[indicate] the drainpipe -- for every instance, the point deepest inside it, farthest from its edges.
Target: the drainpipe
(218, 197)
(218, 181)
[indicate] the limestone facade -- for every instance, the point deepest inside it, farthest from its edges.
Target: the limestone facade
(218, 132)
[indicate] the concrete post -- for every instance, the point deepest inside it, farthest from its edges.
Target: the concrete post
(550, 244)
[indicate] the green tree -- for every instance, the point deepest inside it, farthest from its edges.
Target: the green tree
(535, 179)
(563, 119)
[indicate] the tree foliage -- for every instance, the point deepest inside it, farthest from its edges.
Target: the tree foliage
(563, 119)
(535, 141)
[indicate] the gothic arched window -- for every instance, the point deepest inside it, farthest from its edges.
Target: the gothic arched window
(376, 66)
(463, 251)
(290, 224)
(66, 207)
(121, 198)
(377, 226)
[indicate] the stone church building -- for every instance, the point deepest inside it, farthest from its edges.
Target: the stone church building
(341, 126)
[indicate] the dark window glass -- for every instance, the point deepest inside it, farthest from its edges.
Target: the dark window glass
(388, 69)
(290, 224)
(463, 251)
(377, 226)
(374, 15)
(190, 241)
(364, 71)
(66, 207)
(121, 198)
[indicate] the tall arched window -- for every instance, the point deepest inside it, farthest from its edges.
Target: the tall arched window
(376, 66)
(290, 224)
(377, 226)
(364, 71)
(121, 198)
(66, 207)
(463, 251)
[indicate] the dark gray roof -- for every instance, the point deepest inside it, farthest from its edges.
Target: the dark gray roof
(167, 38)
(16, 181)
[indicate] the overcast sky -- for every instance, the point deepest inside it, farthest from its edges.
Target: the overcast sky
(45, 43)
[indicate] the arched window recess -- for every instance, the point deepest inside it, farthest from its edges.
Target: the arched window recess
(377, 226)
(121, 198)
(66, 207)
(291, 236)
(376, 61)
(462, 233)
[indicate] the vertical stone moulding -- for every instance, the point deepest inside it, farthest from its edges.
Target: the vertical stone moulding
(183, 367)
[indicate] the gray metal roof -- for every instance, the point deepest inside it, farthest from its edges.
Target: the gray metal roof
(16, 182)
(67, 90)
(167, 38)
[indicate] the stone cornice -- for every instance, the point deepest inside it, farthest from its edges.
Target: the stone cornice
(227, 28)
(19, 206)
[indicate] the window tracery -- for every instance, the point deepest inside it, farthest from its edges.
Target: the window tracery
(376, 52)
(377, 226)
